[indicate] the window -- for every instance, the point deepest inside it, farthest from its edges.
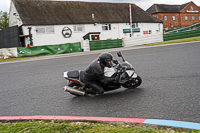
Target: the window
(106, 26)
(173, 18)
(186, 17)
(193, 18)
(192, 8)
(45, 29)
(165, 17)
(166, 28)
(134, 25)
(149, 31)
(199, 17)
(79, 28)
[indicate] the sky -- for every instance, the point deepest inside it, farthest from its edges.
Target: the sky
(144, 4)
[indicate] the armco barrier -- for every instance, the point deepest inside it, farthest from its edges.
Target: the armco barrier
(105, 44)
(179, 35)
(49, 49)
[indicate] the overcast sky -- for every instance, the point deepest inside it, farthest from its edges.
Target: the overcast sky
(144, 4)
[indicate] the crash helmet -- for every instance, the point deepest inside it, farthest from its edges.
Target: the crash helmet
(106, 59)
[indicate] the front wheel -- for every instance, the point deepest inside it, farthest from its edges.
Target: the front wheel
(133, 83)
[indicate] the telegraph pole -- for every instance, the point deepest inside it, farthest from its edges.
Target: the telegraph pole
(130, 19)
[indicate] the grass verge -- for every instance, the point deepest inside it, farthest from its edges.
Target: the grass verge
(85, 127)
(191, 39)
(20, 58)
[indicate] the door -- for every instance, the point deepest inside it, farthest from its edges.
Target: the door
(95, 37)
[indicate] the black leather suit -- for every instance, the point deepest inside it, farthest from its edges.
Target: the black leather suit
(95, 73)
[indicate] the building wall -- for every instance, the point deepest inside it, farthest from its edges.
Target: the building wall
(14, 18)
(169, 23)
(116, 32)
(180, 17)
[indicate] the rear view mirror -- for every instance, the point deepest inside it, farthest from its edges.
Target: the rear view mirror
(119, 54)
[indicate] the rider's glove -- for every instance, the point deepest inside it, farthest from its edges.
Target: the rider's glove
(115, 61)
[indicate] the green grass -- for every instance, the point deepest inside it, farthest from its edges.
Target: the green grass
(84, 127)
(165, 42)
(176, 41)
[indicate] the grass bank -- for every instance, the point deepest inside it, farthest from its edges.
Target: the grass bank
(84, 127)
(20, 58)
(176, 41)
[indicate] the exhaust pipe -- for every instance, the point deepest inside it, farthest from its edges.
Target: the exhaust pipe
(74, 91)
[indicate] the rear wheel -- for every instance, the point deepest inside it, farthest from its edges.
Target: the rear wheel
(133, 83)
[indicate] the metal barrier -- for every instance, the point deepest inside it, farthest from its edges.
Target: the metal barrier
(179, 35)
(186, 28)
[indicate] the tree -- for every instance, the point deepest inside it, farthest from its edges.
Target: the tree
(3, 20)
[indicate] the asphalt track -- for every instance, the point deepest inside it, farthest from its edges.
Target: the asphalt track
(188, 125)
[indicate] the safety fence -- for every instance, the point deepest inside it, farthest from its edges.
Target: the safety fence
(9, 37)
(76, 47)
(49, 49)
(105, 44)
(40, 50)
(179, 35)
(141, 40)
(194, 26)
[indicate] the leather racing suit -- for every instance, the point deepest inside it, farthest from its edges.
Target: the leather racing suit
(93, 74)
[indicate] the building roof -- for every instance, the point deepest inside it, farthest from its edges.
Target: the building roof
(155, 8)
(49, 12)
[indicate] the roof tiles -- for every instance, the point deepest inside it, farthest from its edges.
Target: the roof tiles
(49, 12)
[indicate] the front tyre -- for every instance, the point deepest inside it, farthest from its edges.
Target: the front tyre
(133, 83)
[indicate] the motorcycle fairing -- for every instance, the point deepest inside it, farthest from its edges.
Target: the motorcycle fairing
(65, 74)
(109, 72)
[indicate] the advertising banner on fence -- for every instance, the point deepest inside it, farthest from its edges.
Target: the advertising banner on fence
(49, 49)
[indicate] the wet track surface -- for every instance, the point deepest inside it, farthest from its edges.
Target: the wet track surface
(170, 88)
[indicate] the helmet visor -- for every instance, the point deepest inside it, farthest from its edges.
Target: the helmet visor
(109, 63)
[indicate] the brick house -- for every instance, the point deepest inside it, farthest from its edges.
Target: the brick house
(176, 16)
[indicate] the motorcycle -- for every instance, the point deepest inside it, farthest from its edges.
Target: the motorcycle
(127, 78)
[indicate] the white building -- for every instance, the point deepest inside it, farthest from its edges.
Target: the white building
(58, 22)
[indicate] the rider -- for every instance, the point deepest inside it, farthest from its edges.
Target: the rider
(95, 73)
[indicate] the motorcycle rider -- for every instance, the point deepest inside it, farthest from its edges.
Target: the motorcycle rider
(95, 73)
